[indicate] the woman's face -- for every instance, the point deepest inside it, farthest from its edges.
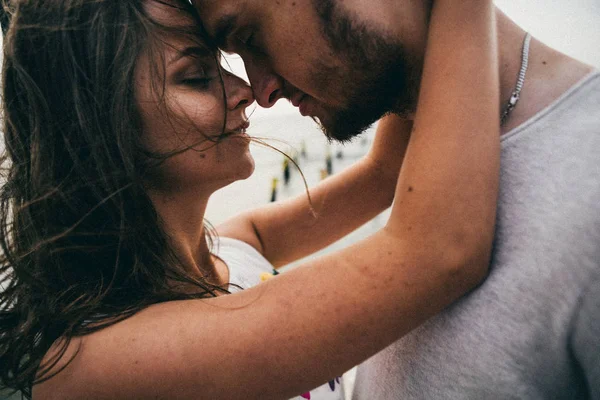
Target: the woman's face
(182, 108)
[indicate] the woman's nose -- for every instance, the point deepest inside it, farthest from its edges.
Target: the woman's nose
(239, 93)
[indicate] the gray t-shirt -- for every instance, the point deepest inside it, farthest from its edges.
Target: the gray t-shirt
(532, 329)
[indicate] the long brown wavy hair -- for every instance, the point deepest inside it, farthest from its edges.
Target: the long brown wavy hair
(82, 245)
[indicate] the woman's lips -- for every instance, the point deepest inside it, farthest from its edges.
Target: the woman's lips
(239, 131)
(245, 125)
(240, 128)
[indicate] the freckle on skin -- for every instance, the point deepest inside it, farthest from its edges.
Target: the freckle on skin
(544, 62)
(410, 188)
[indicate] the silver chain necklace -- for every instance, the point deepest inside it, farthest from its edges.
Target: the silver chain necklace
(516, 94)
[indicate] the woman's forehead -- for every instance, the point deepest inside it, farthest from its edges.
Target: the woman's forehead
(170, 13)
(178, 28)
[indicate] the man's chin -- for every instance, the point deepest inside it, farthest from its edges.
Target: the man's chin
(343, 128)
(344, 124)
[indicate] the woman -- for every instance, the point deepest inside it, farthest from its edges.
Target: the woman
(119, 125)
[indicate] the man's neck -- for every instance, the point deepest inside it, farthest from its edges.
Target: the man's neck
(549, 75)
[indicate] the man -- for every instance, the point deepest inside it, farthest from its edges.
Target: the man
(532, 330)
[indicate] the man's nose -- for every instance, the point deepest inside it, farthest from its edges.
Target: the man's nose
(266, 84)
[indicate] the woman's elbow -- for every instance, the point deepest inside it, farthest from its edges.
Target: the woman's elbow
(468, 259)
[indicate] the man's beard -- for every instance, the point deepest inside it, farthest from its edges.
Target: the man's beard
(381, 77)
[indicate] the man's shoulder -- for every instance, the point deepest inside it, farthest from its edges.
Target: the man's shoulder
(579, 101)
(575, 113)
(585, 93)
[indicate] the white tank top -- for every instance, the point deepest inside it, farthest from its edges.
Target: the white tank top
(247, 268)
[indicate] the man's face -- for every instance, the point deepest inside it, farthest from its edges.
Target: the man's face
(342, 64)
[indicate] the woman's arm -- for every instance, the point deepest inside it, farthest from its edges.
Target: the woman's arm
(306, 326)
(286, 231)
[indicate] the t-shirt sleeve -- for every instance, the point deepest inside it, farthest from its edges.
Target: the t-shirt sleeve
(586, 338)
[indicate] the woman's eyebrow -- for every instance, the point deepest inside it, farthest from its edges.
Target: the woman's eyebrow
(192, 51)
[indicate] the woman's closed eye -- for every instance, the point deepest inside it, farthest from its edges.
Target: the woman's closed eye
(197, 81)
(198, 77)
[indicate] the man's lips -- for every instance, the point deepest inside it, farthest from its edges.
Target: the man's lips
(297, 99)
(303, 102)
(304, 106)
